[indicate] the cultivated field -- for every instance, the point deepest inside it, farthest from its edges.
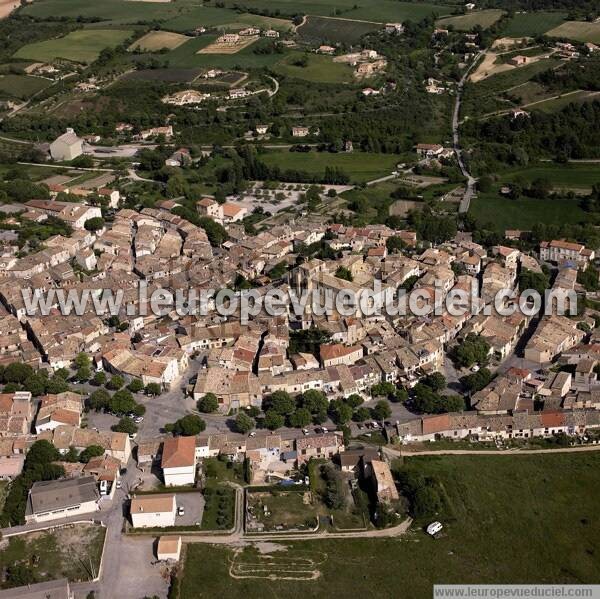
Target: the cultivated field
(494, 64)
(223, 18)
(166, 75)
(578, 30)
(533, 23)
(22, 86)
(360, 166)
(117, 11)
(83, 46)
(217, 47)
(483, 18)
(556, 104)
(382, 11)
(319, 69)
(154, 41)
(323, 29)
(557, 507)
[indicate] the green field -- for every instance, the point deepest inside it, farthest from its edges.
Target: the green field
(319, 69)
(515, 77)
(524, 213)
(382, 11)
(572, 175)
(528, 519)
(322, 29)
(186, 57)
(223, 18)
(83, 45)
(532, 24)
(360, 166)
(483, 18)
(117, 11)
(559, 103)
(153, 41)
(578, 30)
(22, 86)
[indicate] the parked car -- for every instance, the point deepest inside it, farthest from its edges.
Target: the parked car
(103, 487)
(181, 511)
(434, 528)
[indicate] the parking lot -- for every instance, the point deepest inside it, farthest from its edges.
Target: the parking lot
(193, 505)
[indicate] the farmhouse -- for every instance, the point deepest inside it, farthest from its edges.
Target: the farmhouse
(67, 146)
(300, 131)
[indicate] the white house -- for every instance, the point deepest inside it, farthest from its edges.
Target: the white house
(179, 461)
(67, 146)
(148, 511)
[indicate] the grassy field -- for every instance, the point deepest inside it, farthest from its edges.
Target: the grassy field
(22, 86)
(64, 553)
(154, 41)
(578, 30)
(559, 103)
(322, 29)
(222, 18)
(187, 57)
(83, 45)
(530, 519)
(116, 11)
(515, 77)
(483, 18)
(319, 69)
(523, 213)
(360, 166)
(286, 509)
(533, 23)
(382, 11)
(572, 175)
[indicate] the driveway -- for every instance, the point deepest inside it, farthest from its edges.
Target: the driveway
(193, 505)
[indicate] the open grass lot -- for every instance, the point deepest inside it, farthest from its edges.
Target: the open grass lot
(571, 175)
(223, 18)
(504, 213)
(324, 29)
(556, 104)
(157, 40)
(525, 519)
(578, 30)
(22, 86)
(282, 510)
(187, 57)
(360, 166)
(117, 11)
(166, 75)
(533, 23)
(319, 69)
(382, 11)
(83, 45)
(71, 552)
(483, 18)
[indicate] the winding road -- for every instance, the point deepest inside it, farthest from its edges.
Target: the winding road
(470, 189)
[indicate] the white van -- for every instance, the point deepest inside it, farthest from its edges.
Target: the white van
(103, 487)
(434, 528)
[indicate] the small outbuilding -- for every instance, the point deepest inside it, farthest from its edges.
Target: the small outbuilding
(169, 548)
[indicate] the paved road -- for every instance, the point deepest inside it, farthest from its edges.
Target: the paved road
(470, 189)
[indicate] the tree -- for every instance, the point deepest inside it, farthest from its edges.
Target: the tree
(208, 404)
(135, 386)
(125, 425)
(116, 382)
(90, 452)
(354, 400)
(473, 349)
(274, 420)
(188, 426)
(279, 402)
(153, 389)
(122, 402)
(434, 381)
(394, 244)
(56, 385)
(314, 401)
(243, 423)
(343, 273)
(17, 372)
(41, 452)
(340, 412)
(382, 410)
(82, 359)
(477, 381)
(383, 389)
(99, 400)
(83, 374)
(361, 414)
(94, 224)
(300, 418)
(99, 378)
